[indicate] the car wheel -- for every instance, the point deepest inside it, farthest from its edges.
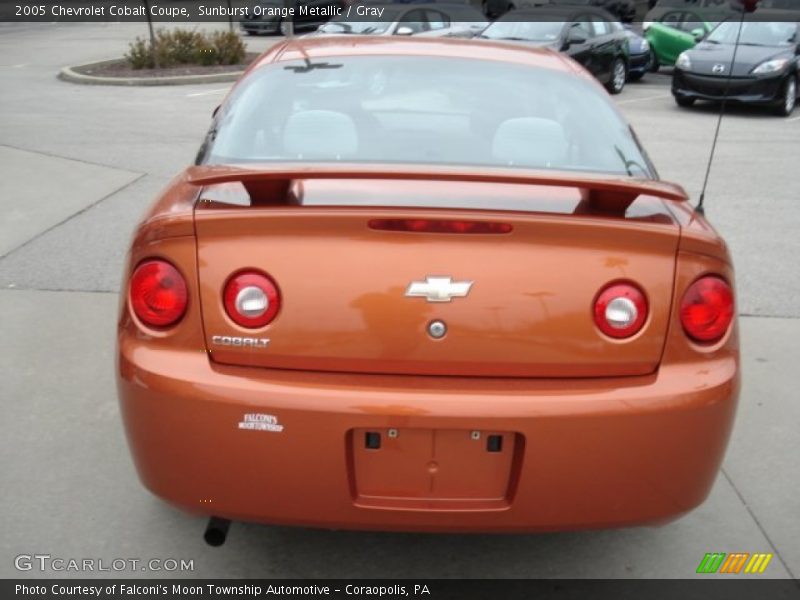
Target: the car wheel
(788, 99)
(619, 73)
(684, 102)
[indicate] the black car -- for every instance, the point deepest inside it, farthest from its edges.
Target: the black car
(266, 16)
(766, 70)
(590, 36)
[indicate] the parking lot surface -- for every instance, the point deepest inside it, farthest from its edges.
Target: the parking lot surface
(79, 164)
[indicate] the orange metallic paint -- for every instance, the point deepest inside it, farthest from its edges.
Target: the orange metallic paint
(600, 433)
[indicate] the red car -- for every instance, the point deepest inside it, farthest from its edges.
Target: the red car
(426, 285)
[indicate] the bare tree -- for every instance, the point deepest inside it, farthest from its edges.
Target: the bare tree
(152, 32)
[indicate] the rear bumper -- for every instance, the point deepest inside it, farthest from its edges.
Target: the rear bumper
(749, 90)
(588, 453)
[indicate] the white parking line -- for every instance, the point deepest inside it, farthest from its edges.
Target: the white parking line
(630, 100)
(208, 93)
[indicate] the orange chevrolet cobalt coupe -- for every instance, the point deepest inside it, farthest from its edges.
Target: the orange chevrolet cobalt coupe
(426, 285)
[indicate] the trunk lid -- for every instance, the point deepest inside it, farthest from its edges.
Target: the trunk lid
(343, 285)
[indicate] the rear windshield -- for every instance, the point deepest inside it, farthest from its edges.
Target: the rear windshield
(436, 111)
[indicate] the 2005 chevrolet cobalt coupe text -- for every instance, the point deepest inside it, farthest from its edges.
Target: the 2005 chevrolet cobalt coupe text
(426, 285)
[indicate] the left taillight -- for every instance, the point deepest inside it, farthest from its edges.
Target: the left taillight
(620, 310)
(251, 299)
(158, 293)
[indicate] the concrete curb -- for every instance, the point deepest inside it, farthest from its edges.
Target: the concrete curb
(73, 76)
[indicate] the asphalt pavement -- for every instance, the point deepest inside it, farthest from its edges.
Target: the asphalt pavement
(78, 166)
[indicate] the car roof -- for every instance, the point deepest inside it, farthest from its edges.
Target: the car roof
(312, 47)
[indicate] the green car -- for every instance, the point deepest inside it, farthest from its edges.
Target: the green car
(679, 30)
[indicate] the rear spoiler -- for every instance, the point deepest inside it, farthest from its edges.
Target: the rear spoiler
(269, 183)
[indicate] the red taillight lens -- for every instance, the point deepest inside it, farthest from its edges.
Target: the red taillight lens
(620, 310)
(251, 299)
(439, 226)
(158, 293)
(707, 309)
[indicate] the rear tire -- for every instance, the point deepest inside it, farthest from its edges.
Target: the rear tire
(788, 98)
(619, 73)
(684, 102)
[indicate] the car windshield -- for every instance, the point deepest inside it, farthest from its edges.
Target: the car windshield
(754, 34)
(340, 25)
(532, 31)
(438, 111)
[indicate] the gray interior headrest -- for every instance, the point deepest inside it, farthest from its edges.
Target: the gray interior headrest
(320, 134)
(530, 141)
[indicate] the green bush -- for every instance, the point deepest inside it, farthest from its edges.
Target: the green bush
(228, 46)
(182, 47)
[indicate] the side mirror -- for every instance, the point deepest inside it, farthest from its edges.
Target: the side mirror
(698, 34)
(575, 37)
(404, 30)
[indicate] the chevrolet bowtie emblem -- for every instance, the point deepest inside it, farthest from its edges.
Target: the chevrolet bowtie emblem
(438, 289)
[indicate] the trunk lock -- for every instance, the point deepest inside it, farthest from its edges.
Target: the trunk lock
(437, 329)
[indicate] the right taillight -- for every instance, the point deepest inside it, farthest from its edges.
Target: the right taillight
(251, 299)
(707, 309)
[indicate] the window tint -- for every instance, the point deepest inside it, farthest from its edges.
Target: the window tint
(584, 25)
(392, 109)
(437, 20)
(601, 26)
(672, 19)
(415, 20)
(690, 26)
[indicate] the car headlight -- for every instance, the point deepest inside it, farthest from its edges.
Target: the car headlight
(684, 62)
(771, 66)
(645, 46)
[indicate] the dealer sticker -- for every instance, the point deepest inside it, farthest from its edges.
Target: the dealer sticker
(261, 422)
